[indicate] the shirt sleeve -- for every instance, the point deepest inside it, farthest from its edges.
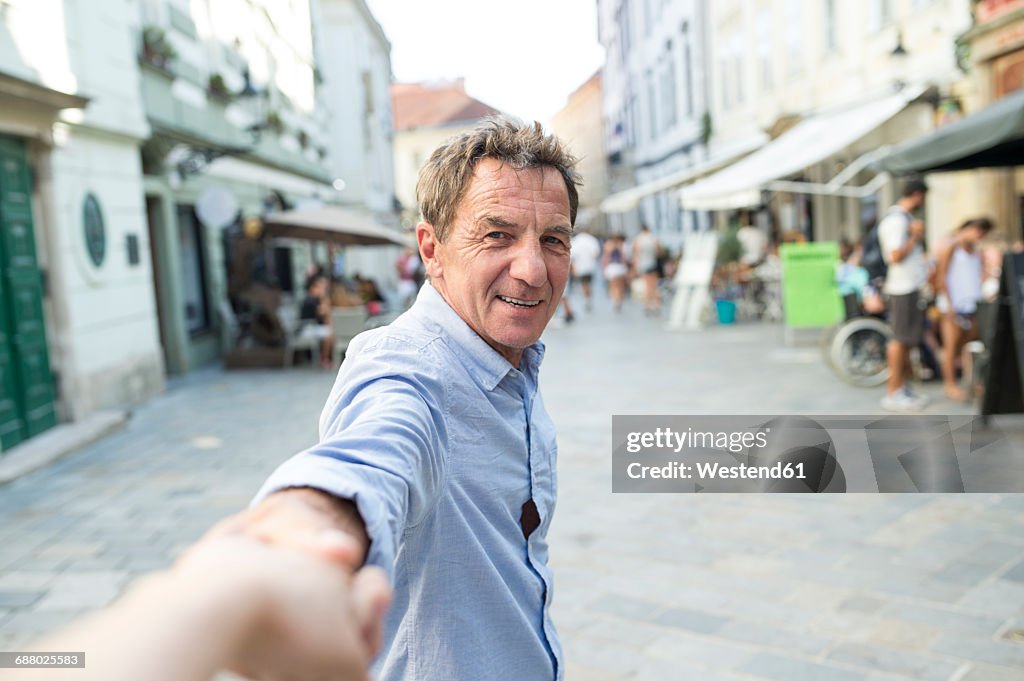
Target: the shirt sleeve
(381, 436)
(892, 234)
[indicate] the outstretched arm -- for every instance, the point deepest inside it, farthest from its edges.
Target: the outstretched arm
(232, 603)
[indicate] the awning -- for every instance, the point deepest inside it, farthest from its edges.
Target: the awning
(630, 198)
(992, 137)
(807, 143)
(341, 226)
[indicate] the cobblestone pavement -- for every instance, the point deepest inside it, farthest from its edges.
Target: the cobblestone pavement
(675, 587)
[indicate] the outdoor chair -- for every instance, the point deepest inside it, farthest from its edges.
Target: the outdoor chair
(346, 323)
(294, 340)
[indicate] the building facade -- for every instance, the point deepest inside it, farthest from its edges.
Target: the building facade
(427, 114)
(776, 63)
(354, 56)
(992, 53)
(655, 101)
(580, 125)
(232, 93)
(79, 329)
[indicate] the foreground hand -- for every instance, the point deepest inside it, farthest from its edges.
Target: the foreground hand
(302, 519)
(299, 617)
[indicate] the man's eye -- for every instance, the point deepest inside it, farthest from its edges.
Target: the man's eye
(496, 235)
(555, 241)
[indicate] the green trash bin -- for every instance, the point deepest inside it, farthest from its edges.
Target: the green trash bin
(810, 296)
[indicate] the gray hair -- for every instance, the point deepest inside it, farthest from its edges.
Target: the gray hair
(446, 175)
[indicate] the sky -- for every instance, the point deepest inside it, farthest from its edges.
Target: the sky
(523, 57)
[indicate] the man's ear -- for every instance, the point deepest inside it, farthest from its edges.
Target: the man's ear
(429, 247)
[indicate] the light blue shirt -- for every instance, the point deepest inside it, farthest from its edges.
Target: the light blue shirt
(440, 441)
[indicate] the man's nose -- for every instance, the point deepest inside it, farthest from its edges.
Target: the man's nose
(528, 265)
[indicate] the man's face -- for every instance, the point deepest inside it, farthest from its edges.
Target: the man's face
(506, 260)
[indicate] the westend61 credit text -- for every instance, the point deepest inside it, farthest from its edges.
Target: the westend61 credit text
(929, 453)
(677, 441)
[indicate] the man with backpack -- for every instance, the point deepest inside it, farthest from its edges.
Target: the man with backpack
(901, 241)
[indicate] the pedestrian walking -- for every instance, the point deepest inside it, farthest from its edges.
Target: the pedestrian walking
(436, 453)
(901, 237)
(959, 276)
(586, 253)
(645, 264)
(615, 269)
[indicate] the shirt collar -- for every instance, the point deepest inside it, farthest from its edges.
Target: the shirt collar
(486, 365)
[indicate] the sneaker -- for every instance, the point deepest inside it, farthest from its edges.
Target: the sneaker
(922, 400)
(900, 401)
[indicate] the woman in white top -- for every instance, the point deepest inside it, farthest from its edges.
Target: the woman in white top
(958, 282)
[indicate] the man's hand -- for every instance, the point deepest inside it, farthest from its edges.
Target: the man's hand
(298, 616)
(297, 518)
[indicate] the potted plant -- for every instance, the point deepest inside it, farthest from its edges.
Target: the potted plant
(725, 281)
(274, 122)
(157, 49)
(217, 88)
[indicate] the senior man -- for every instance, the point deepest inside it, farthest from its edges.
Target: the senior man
(436, 453)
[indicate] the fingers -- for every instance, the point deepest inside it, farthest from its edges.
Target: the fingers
(330, 544)
(371, 596)
(288, 522)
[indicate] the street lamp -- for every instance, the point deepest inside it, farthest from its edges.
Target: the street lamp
(899, 51)
(899, 56)
(255, 102)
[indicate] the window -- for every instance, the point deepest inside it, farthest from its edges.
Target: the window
(764, 47)
(688, 71)
(737, 53)
(669, 88)
(624, 28)
(652, 106)
(632, 122)
(794, 37)
(192, 269)
(831, 43)
(723, 82)
(730, 67)
(881, 14)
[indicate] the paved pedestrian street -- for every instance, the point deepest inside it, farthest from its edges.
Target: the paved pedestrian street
(855, 587)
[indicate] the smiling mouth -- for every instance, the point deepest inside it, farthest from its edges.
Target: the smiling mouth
(516, 302)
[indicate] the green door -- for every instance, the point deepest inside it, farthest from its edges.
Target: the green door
(26, 384)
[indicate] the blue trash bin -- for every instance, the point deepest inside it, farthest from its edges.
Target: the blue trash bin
(726, 310)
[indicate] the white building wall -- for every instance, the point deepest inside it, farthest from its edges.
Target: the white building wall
(357, 72)
(771, 58)
(654, 102)
(356, 62)
(102, 326)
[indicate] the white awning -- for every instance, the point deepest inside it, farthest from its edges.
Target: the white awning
(810, 141)
(629, 199)
(335, 224)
